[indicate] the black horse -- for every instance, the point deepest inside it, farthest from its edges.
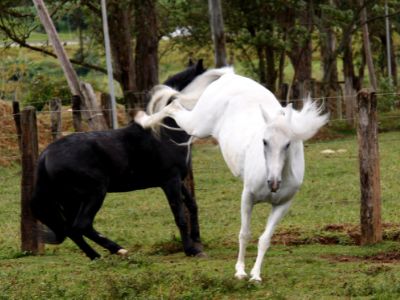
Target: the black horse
(75, 173)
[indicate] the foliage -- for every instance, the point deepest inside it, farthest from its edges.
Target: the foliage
(387, 95)
(43, 88)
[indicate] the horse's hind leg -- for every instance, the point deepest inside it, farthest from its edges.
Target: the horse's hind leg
(185, 119)
(172, 190)
(83, 224)
(78, 240)
(191, 205)
(106, 243)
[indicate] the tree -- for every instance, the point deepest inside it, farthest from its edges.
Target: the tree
(128, 21)
(217, 30)
(147, 38)
(367, 46)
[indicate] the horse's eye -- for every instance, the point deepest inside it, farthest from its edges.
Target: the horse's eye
(265, 142)
(287, 146)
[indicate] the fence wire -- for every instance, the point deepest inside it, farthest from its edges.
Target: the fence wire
(8, 132)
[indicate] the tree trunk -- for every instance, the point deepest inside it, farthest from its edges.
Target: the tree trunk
(282, 57)
(361, 69)
(349, 82)
(271, 73)
(120, 25)
(367, 47)
(262, 76)
(146, 59)
(328, 46)
(217, 30)
(301, 53)
(394, 61)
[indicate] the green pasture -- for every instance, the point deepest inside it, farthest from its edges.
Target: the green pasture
(314, 254)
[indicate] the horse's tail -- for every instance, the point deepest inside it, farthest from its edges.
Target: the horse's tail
(163, 95)
(45, 208)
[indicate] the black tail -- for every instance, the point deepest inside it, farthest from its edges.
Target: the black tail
(45, 208)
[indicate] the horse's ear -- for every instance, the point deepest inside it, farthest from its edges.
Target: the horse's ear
(199, 65)
(190, 63)
(289, 111)
(265, 115)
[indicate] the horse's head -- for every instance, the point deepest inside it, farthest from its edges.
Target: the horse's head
(283, 130)
(276, 141)
(180, 80)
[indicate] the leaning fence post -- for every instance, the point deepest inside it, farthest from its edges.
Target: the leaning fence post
(17, 120)
(55, 118)
(106, 107)
(30, 241)
(367, 133)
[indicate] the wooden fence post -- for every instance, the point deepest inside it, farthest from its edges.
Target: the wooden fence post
(367, 132)
(106, 107)
(76, 113)
(30, 241)
(17, 120)
(55, 118)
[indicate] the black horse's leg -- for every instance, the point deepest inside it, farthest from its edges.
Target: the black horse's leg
(78, 239)
(172, 190)
(104, 242)
(83, 222)
(191, 205)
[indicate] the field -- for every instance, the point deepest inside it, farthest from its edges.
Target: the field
(314, 254)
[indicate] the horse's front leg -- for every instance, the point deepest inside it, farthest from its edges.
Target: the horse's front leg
(278, 211)
(244, 235)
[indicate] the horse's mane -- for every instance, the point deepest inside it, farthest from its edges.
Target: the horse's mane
(162, 95)
(306, 122)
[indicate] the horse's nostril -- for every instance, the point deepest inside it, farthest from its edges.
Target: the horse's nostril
(274, 185)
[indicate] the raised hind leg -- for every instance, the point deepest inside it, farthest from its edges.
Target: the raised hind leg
(189, 120)
(245, 234)
(172, 189)
(278, 211)
(77, 238)
(83, 225)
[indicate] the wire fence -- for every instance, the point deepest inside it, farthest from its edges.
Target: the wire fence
(9, 138)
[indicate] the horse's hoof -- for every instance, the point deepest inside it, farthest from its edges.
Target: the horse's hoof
(255, 279)
(240, 276)
(201, 255)
(122, 252)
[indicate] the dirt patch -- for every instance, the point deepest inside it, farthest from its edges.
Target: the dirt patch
(382, 257)
(332, 234)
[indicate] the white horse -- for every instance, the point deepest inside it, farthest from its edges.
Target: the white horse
(261, 142)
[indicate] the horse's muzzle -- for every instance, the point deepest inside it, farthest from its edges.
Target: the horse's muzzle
(274, 185)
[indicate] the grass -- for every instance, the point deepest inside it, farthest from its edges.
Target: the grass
(156, 268)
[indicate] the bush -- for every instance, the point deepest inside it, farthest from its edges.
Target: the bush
(43, 88)
(386, 95)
